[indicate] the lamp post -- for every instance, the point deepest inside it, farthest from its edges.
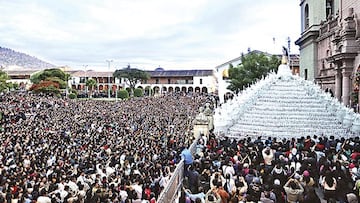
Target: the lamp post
(109, 61)
(289, 57)
(67, 83)
(86, 87)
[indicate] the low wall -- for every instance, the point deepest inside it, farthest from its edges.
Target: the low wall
(172, 191)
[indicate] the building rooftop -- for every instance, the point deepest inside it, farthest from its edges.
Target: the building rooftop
(20, 72)
(180, 73)
(91, 73)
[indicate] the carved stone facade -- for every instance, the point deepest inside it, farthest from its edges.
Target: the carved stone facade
(337, 51)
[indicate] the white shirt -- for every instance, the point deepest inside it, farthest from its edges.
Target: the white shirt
(43, 199)
(228, 170)
(73, 187)
(124, 195)
(138, 189)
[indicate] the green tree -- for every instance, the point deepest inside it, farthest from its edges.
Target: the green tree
(253, 66)
(62, 83)
(91, 83)
(123, 94)
(48, 73)
(138, 92)
(132, 76)
(72, 95)
(35, 78)
(3, 78)
(49, 77)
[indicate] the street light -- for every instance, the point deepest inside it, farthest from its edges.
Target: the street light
(86, 87)
(109, 61)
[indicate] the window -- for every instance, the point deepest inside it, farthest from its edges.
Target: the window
(305, 74)
(201, 81)
(306, 16)
(169, 81)
(157, 81)
(186, 81)
(329, 8)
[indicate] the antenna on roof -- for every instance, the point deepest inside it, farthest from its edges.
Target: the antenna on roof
(274, 43)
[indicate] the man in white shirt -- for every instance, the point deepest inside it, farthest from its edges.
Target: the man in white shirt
(43, 198)
(138, 189)
(268, 155)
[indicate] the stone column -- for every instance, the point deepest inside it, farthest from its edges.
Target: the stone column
(338, 83)
(346, 87)
(201, 124)
(200, 129)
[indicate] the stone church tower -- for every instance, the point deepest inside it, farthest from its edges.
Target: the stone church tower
(313, 13)
(329, 46)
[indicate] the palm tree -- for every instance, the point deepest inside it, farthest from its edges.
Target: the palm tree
(67, 78)
(91, 83)
(3, 81)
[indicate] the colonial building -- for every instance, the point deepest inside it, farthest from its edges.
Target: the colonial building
(161, 81)
(330, 45)
(103, 79)
(21, 77)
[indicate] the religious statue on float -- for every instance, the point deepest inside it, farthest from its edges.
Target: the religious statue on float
(201, 118)
(210, 115)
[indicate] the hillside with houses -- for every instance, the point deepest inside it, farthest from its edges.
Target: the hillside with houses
(10, 58)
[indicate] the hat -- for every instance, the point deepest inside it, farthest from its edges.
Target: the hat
(353, 170)
(351, 198)
(246, 165)
(306, 173)
(297, 176)
(276, 182)
(256, 180)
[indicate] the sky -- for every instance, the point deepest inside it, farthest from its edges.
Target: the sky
(172, 34)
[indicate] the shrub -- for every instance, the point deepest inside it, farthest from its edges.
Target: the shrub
(73, 91)
(44, 83)
(138, 92)
(48, 90)
(123, 94)
(72, 95)
(45, 86)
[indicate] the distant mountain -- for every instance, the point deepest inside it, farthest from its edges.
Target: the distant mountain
(9, 57)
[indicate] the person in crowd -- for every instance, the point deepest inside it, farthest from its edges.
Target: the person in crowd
(195, 196)
(254, 190)
(224, 195)
(329, 185)
(278, 191)
(193, 179)
(267, 195)
(188, 159)
(268, 155)
(294, 190)
(229, 185)
(310, 195)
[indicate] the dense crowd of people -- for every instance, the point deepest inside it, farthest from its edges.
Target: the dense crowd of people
(274, 170)
(61, 150)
